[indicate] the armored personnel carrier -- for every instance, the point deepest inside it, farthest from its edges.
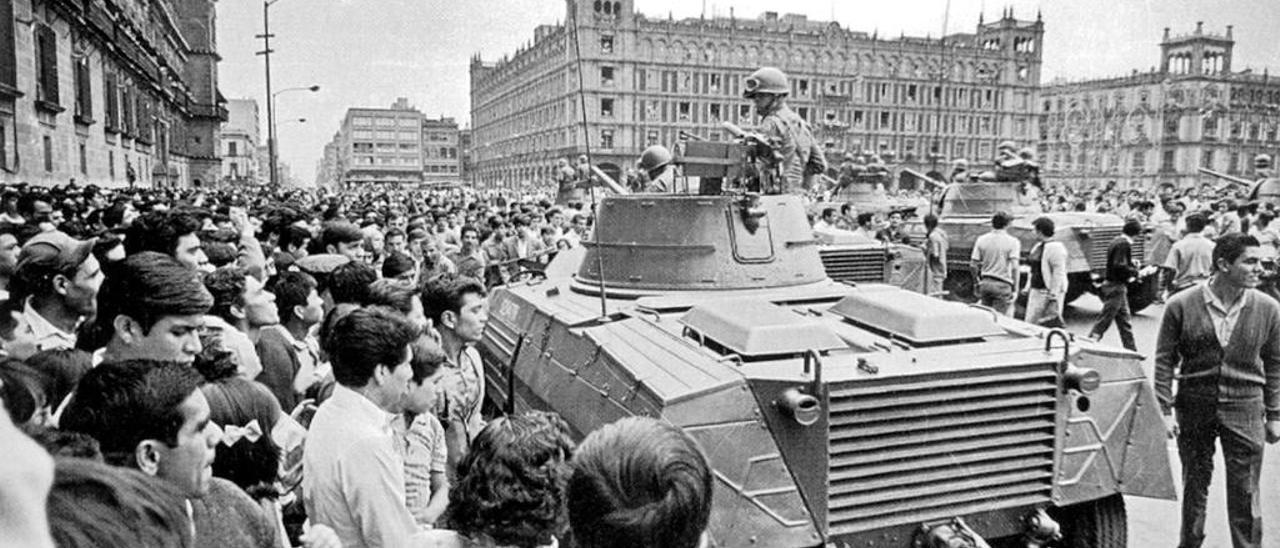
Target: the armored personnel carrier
(833, 414)
(964, 211)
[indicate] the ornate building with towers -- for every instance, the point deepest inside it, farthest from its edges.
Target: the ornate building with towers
(1195, 110)
(624, 81)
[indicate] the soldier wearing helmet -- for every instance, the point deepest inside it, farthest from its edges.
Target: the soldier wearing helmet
(1262, 165)
(959, 170)
(655, 165)
(798, 158)
(568, 189)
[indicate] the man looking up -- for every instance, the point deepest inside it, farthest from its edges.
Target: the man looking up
(241, 307)
(58, 279)
(355, 477)
(1221, 340)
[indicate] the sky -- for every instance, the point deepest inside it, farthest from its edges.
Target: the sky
(366, 53)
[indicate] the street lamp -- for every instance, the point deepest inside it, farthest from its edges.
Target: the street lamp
(272, 131)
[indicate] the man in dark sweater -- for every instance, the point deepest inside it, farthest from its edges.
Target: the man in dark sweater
(1221, 341)
(1115, 287)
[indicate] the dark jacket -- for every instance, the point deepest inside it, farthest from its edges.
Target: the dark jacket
(280, 365)
(1187, 348)
(1120, 267)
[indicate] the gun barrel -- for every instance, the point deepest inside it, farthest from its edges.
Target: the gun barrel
(925, 178)
(733, 128)
(691, 136)
(608, 181)
(1225, 177)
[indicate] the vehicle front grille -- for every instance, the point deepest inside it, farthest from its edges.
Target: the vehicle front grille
(907, 450)
(1100, 240)
(854, 264)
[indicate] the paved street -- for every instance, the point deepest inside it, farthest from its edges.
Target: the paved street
(1154, 523)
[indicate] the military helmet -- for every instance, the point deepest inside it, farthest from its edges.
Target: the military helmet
(849, 157)
(766, 80)
(654, 157)
(1007, 145)
(1027, 153)
(1262, 161)
(960, 163)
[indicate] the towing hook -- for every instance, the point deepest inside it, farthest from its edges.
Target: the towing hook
(801, 407)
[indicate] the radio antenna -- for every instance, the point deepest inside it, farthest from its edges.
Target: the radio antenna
(586, 140)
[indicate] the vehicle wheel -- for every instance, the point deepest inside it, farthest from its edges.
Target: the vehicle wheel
(1078, 284)
(1100, 523)
(960, 287)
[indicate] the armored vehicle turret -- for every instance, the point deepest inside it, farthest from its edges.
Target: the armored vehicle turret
(965, 209)
(833, 414)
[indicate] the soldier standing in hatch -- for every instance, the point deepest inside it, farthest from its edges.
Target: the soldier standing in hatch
(568, 191)
(798, 158)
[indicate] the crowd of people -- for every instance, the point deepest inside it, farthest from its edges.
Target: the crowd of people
(273, 369)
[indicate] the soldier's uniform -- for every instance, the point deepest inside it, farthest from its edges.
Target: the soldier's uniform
(800, 157)
(797, 159)
(568, 191)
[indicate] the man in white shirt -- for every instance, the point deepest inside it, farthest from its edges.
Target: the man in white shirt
(1048, 287)
(355, 476)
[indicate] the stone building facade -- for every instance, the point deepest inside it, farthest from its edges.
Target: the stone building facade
(109, 92)
(441, 161)
(1159, 127)
(918, 101)
(379, 145)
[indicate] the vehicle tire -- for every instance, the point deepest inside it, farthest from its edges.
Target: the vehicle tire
(959, 286)
(1078, 284)
(1098, 523)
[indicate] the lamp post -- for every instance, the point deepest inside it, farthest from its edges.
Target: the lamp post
(273, 131)
(266, 37)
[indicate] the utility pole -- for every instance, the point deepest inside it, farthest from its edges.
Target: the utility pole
(271, 119)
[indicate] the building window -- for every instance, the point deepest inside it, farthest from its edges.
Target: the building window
(1235, 129)
(111, 164)
(606, 108)
(744, 113)
(606, 44)
(1138, 163)
(1206, 159)
(48, 153)
(1211, 128)
(1171, 127)
(606, 76)
(1166, 162)
(714, 83)
(651, 138)
(683, 109)
(46, 68)
(84, 94)
(1233, 163)
(606, 139)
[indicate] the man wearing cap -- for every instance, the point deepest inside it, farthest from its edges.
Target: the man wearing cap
(58, 279)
